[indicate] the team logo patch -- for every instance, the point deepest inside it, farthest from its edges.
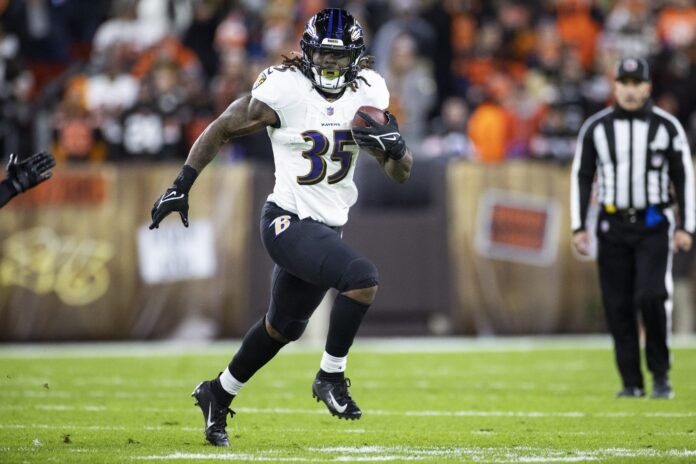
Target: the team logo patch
(261, 79)
(281, 224)
(630, 65)
(311, 28)
(356, 32)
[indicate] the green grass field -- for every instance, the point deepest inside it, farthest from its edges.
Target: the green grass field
(486, 402)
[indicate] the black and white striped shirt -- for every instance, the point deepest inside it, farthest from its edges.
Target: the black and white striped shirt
(636, 156)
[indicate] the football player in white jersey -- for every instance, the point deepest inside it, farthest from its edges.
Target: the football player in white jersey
(307, 105)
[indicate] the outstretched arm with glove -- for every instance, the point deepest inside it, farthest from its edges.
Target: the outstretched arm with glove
(384, 141)
(25, 174)
(244, 116)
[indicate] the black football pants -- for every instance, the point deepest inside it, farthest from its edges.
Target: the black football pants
(310, 258)
(635, 274)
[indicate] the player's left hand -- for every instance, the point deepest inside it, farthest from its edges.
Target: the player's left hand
(682, 241)
(30, 172)
(172, 200)
(385, 137)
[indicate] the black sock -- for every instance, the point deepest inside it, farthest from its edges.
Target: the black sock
(346, 316)
(330, 376)
(257, 349)
(220, 394)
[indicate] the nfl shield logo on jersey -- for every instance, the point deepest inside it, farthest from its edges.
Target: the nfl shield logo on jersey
(330, 111)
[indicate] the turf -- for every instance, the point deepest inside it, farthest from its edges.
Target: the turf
(534, 403)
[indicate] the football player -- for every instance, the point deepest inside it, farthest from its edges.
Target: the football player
(25, 174)
(307, 105)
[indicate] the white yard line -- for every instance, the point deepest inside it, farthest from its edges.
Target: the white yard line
(404, 453)
(378, 412)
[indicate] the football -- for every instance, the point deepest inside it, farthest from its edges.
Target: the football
(375, 113)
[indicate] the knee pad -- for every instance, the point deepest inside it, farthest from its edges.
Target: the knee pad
(289, 328)
(360, 273)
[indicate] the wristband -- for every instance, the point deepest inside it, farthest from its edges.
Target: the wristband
(185, 179)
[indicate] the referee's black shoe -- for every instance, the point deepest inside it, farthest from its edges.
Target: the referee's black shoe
(332, 389)
(214, 413)
(662, 390)
(631, 392)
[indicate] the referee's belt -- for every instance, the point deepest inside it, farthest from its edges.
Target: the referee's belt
(632, 214)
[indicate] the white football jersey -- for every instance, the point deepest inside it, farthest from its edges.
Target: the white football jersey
(313, 148)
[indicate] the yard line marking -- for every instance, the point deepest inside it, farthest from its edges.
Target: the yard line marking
(405, 453)
(241, 457)
(62, 427)
(377, 412)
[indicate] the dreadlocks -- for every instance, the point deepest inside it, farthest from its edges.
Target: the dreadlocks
(294, 61)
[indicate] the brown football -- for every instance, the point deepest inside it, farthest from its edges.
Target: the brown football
(375, 113)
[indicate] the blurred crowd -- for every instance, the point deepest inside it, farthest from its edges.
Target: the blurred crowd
(100, 80)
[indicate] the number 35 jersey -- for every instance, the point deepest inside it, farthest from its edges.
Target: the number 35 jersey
(313, 148)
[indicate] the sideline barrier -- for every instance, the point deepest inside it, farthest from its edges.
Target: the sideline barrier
(77, 261)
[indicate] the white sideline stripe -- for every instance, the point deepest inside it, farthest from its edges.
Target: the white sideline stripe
(362, 345)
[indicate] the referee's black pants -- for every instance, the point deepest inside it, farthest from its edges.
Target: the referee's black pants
(635, 274)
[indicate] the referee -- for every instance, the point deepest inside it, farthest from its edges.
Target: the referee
(638, 152)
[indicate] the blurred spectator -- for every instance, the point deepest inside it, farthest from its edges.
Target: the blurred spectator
(16, 110)
(489, 129)
(676, 25)
(168, 50)
(405, 20)
(112, 90)
(77, 136)
(279, 31)
(555, 139)
(200, 35)
(412, 87)
(149, 132)
(166, 16)
(449, 138)
(578, 27)
(628, 29)
(125, 31)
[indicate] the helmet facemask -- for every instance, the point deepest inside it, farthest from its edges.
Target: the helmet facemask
(335, 31)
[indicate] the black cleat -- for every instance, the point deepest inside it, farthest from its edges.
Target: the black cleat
(215, 415)
(631, 392)
(335, 396)
(662, 390)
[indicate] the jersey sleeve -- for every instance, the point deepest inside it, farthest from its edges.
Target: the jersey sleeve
(277, 87)
(582, 177)
(681, 172)
(377, 92)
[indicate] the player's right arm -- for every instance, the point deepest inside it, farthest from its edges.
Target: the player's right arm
(244, 116)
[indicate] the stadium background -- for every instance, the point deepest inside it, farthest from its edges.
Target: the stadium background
(490, 96)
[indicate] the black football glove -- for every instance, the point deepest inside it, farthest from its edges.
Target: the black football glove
(30, 172)
(175, 198)
(385, 137)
